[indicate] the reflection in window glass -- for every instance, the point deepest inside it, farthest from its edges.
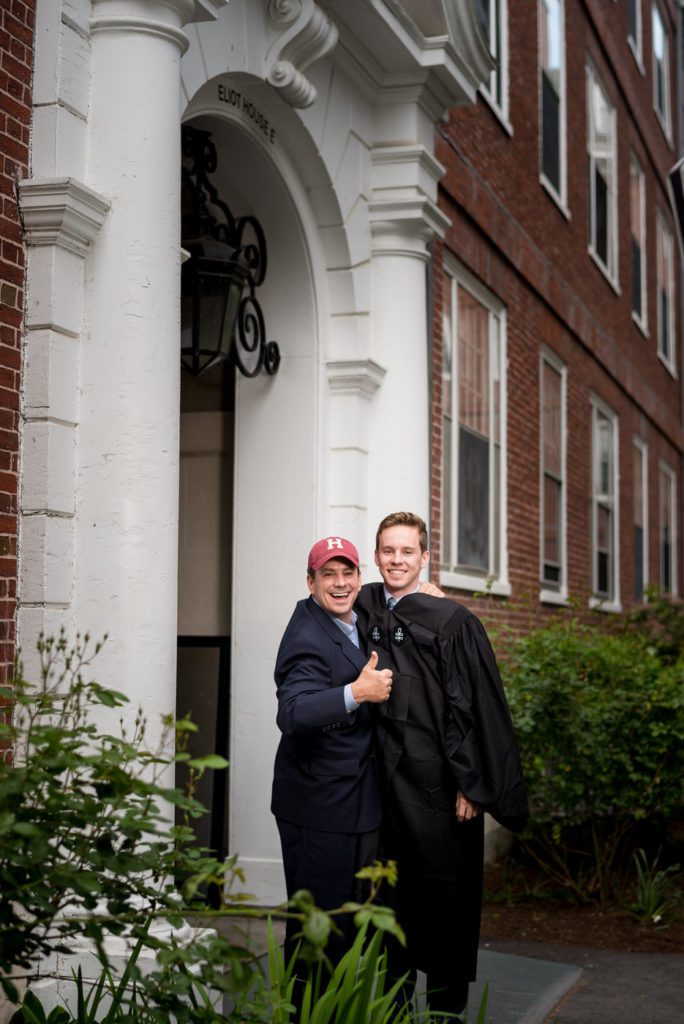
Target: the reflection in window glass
(602, 181)
(552, 92)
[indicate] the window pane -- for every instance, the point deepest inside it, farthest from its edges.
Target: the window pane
(551, 423)
(550, 132)
(604, 444)
(666, 530)
(660, 65)
(632, 15)
(473, 501)
(638, 563)
(552, 527)
(473, 364)
(601, 215)
(638, 485)
(604, 570)
(636, 277)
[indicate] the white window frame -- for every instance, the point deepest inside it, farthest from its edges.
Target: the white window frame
(636, 45)
(640, 321)
(642, 448)
(498, 20)
(450, 575)
(548, 594)
(663, 232)
(602, 603)
(611, 269)
(559, 197)
(664, 116)
(667, 470)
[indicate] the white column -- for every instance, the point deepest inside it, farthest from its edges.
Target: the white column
(403, 219)
(128, 435)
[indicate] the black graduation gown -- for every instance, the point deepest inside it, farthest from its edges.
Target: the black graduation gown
(446, 728)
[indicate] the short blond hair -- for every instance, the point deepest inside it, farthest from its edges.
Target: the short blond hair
(404, 519)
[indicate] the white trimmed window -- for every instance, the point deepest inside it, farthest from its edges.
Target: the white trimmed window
(665, 291)
(473, 436)
(634, 33)
(553, 553)
(605, 569)
(496, 89)
(640, 516)
(667, 492)
(602, 147)
(637, 223)
(661, 71)
(552, 100)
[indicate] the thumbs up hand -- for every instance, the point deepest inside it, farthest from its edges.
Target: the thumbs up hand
(374, 685)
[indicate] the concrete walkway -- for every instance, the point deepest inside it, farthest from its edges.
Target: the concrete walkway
(592, 986)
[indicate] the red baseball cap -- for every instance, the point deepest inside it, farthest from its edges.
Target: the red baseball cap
(332, 547)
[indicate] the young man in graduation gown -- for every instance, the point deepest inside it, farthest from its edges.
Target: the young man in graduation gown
(446, 753)
(325, 786)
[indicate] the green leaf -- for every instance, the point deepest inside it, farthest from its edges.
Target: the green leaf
(208, 761)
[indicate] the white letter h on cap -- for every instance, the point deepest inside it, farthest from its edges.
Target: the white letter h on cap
(334, 542)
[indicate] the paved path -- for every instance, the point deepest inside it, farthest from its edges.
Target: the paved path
(612, 988)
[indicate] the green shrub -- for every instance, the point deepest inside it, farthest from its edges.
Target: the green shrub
(600, 726)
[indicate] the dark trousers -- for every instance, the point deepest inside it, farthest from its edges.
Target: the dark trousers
(325, 863)
(445, 994)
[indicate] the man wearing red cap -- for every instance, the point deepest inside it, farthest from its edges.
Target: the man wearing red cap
(325, 787)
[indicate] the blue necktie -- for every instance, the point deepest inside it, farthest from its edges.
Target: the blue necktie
(391, 601)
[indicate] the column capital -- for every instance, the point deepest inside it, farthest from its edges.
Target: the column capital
(61, 212)
(403, 213)
(152, 17)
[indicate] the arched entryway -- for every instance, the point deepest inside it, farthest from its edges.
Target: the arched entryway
(249, 493)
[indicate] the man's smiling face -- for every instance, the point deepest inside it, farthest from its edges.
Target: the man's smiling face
(335, 587)
(400, 559)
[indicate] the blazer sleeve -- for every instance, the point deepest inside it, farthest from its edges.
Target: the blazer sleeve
(308, 697)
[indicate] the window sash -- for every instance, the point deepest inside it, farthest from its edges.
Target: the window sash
(604, 504)
(634, 24)
(552, 94)
(640, 516)
(661, 69)
(665, 291)
(552, 458)
(496, 87)
(472, 465)
(667, 529)
(602, 181)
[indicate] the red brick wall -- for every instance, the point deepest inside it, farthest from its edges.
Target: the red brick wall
(17, 19)
(511, 234)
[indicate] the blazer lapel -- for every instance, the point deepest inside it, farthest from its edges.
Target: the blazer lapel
(350, 651)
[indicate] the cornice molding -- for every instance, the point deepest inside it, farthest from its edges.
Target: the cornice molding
(355, 376)
(308, 35)
(61, 212)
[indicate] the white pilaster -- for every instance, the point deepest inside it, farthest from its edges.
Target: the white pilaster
(61, 218)
(404, 217)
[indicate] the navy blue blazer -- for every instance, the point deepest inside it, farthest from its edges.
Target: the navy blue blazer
(324, 775)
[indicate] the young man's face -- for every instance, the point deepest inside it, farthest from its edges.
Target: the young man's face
(335, 587)
(400, 559)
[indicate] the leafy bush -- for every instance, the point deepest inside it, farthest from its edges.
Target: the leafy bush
(600, 725)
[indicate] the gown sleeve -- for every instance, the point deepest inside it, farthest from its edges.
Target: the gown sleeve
(478, 732)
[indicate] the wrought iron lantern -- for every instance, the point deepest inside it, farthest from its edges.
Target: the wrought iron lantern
(221, 317)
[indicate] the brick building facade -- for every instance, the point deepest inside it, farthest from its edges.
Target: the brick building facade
(16, 62)
(557, 320)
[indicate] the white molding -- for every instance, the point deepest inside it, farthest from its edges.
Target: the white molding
(475, 584)
(61, 212)
(642, 447)
(559, 598)
(665, 468)
(355, 376)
